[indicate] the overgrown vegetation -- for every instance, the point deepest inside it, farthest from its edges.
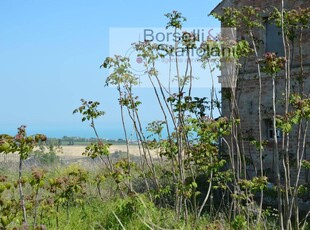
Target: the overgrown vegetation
(200, 178)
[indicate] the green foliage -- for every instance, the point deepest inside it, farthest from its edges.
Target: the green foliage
(126, 211)
(150, 52)
(121, 74)
(175, 20)
(89, 110)
(239, 223)
(37, 180)
(301, 111)
(258, 145)
(23, 145)
(70, 190)
(254, 185)
(20, 143)
(306, 164)
(293, 20)
(49, 157)
(247, 17)
(130, 102)
(9, 206)
(121, 170)
(230, 17)
(192, 171)
(271, 64)
(94, 150)
(156, 127)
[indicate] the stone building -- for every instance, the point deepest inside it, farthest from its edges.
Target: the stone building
(247, 90)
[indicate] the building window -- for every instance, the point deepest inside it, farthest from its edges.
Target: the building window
(269, 130)
(274, 41)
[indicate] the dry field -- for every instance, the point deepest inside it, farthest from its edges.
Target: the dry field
(76, 151)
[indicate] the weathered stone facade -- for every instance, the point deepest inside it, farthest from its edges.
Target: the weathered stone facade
(248, 92)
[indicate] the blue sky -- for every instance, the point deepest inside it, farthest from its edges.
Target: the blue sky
(50, 53)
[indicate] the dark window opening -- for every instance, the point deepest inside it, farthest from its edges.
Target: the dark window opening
(274, 41)
(269, 130)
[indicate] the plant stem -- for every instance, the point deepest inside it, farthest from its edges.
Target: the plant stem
(20, 186)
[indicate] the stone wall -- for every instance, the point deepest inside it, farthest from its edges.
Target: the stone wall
(248, 91)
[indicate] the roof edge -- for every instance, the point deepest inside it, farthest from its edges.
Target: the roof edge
(223, 3)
